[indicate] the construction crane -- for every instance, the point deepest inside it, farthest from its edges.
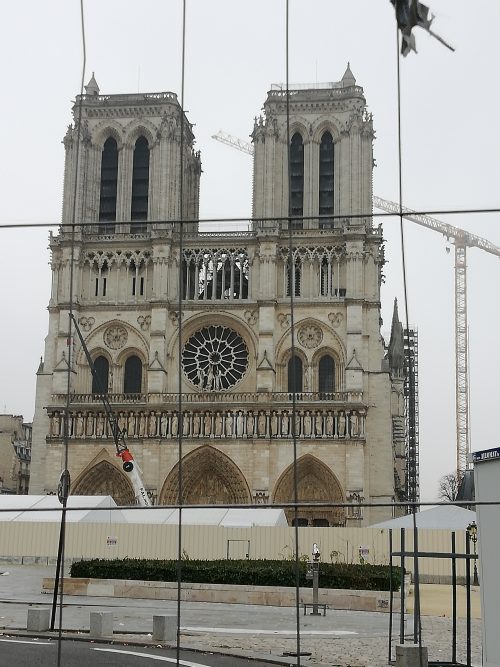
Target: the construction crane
(234, 142)
(129, 464)
(462, 240)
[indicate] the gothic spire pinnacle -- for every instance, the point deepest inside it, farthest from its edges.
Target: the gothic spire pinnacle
(348, 78)
(92, 88)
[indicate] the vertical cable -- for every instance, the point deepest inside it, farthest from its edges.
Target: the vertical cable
(62, 535)
(292, 367)
(417, 628)
(179, 339)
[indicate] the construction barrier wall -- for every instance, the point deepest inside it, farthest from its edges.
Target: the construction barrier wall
(29, 541)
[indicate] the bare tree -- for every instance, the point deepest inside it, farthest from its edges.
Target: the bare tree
(448, 487)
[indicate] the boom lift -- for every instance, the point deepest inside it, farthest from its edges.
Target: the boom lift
(129, 464)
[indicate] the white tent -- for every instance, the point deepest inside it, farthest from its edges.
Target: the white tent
(48, 509)
(209, 516)
(449, 517)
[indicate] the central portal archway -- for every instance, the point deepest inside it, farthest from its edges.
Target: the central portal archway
(315, 481)
(209, 477)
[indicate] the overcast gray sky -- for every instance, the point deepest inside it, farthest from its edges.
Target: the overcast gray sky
(234, 51)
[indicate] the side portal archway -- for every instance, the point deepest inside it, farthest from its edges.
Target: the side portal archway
(209, 477)
(104, 479)
(315, 482)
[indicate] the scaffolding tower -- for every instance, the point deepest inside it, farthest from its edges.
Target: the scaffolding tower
(411, 415)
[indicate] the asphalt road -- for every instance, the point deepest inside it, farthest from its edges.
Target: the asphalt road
(44, 653)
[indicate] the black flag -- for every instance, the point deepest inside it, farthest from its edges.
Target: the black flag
(411, 14)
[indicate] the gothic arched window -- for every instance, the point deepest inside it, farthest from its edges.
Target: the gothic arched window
(140, 185)
(297, 180)
(132, 380)
(326, 163)
(100, 378)
(295, 375)
(326, 373)
(109, 183)
(293, 277)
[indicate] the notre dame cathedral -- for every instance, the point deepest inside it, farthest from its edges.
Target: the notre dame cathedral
(211, 311)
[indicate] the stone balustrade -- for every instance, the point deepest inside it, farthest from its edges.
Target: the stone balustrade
(277, 397)
(193, 424)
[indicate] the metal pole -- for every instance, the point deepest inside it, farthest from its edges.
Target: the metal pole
(453, 600)
(467, 588)
(315, 611)
(391, 594)
(402, 613)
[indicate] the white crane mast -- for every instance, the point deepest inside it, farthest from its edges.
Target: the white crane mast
(461, 240)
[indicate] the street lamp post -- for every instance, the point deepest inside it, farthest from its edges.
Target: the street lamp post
(472, 532)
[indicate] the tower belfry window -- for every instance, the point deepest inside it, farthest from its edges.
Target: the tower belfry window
(101, 377)
(297, 180)
(132, 381)
(326, 375)
(326, 165)
(140, 185)
(109, 183)
(295, 374)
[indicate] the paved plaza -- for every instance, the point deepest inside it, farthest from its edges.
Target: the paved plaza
(356, 639)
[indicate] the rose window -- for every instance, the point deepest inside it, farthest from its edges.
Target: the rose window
(215, 358)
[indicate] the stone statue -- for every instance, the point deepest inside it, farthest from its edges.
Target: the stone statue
(196, 424)
(329, 424)
(89, 427)
(80, 425)
(131, 425)
(122, 422)
(218, 425)
(250, 424)
(152, 424)
(56, 425)
(142, 424)
(207, 424)
(274, 424)
(297, 424)
(163, 424)
(354, 425)
(99, 431)
(307, 424)
(240, 423)
(341, 425)
(261, 424)
(185, 423)
(285, 423)
(174, 425)
(229, 424)
(318, 424)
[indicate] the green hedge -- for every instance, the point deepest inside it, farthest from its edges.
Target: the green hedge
(245, 572)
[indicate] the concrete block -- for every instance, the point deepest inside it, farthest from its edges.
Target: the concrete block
(38, 619)
(164, 628)
(408, 655)
(101, 624)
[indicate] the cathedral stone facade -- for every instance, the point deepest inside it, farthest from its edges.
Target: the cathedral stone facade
(212, 311)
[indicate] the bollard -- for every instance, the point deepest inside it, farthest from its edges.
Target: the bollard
(101, 624)
(408, 655)
(164, 628)
(38, 619)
